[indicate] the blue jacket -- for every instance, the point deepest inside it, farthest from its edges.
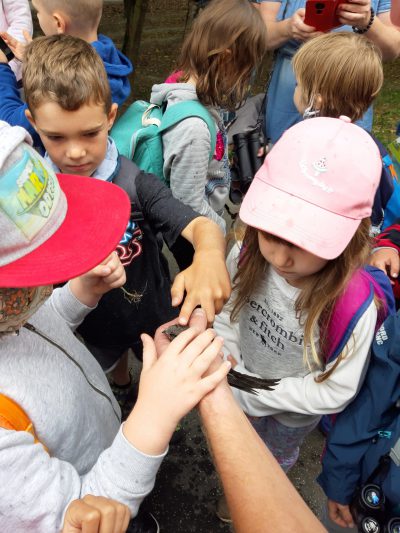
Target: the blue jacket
(12, 108)
(369, 426)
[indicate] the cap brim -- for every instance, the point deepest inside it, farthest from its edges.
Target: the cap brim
(318, 231)
(97, 216)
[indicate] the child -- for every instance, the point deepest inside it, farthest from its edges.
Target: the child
(51, 234)
(70, 107)
(307, 238)
(80, 18)
(15, 19)
(341, 74)
(227, 42)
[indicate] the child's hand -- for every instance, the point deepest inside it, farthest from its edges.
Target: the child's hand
(197, 320)
(90, 287)
(17, 47)
(206, 283)
(171, 385)
(387, 259)
(340, 514)
(95, 514)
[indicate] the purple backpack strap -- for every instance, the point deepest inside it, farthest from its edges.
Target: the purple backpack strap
(349, 308)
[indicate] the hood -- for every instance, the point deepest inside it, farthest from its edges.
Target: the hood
(117, 66)
(172, 93)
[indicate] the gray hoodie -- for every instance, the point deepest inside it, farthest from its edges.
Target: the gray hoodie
(88, 453)
(194, 179)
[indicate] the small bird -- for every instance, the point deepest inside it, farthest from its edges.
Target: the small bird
(238, 380)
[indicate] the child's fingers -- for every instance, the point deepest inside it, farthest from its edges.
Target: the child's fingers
(178, 290)
(209, 383)
(202, 363)
(27, 36)
(395, 265)
(178, 345)
(198, 346)
(149, 351)
(190, 303)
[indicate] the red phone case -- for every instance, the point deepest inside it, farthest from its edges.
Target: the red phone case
(321, 14)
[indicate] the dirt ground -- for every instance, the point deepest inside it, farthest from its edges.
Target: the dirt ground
(187, 486)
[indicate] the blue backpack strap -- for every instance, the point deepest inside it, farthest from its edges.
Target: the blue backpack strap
(190, 108)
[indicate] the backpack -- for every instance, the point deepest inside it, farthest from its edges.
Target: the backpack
(138, 133)
(369, 428)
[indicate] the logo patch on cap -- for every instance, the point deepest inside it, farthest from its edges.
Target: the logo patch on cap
(312, 172)
(29, 193)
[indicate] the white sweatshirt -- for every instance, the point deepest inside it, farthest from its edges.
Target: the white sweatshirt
(267, 342)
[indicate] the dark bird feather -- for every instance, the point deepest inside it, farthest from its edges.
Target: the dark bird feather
(236, 379)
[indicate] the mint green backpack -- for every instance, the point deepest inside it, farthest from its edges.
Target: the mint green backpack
(138, 133)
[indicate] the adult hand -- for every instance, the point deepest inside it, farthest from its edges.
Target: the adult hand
(197, 320)
(340, 514)
(95, 514)
(388, 260)
(298, 29)
(355, 13)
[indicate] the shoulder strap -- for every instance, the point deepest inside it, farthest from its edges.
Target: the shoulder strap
(190, 108)
(126, 179)
(12, 416)
(351, 306)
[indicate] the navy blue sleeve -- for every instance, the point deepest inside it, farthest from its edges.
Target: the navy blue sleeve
(12, 108)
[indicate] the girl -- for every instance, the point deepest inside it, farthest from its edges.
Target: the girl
(227, 41)
(306, 239)
(287, 30)
(16, 19)
(341, 74)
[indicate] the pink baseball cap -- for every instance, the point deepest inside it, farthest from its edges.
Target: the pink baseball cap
(316, 185)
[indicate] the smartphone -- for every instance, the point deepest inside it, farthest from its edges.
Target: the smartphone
(6, 50)
(321, 14)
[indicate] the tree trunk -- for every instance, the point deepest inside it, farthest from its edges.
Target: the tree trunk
(135, 12)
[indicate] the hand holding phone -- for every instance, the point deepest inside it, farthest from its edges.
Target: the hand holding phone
(322, 14)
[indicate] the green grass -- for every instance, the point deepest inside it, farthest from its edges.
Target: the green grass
(387, 105)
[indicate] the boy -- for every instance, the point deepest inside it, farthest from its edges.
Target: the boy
(71, 110)
(51, 234)
(80, 18)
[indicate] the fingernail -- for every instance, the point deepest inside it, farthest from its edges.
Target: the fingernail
(182, 320)
(175, 302)
(198, 312)
(394, 275)
(228, 364)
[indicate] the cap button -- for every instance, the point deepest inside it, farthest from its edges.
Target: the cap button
(344, 118)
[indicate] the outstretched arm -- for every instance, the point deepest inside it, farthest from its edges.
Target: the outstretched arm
(206, 281)
(260, 497)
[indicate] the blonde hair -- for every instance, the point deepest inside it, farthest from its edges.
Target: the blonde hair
(227, 41)
(344, 69)
(84, 14)
(317, 299)
(65, 70)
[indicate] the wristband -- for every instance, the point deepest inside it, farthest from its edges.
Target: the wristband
(364, 30)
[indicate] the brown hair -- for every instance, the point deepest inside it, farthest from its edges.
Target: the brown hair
(317, 299)
(65, 70)
(84, 14)
(344, 68)
(227, 41)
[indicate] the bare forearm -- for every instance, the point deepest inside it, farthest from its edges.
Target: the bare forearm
(205, 235)
(260, 496)
(385, 36)
(278, 32)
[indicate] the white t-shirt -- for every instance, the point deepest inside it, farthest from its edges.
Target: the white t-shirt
(267, 341)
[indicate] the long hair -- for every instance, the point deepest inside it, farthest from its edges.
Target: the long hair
(227, 41)
(317, 298)
(343, 69)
